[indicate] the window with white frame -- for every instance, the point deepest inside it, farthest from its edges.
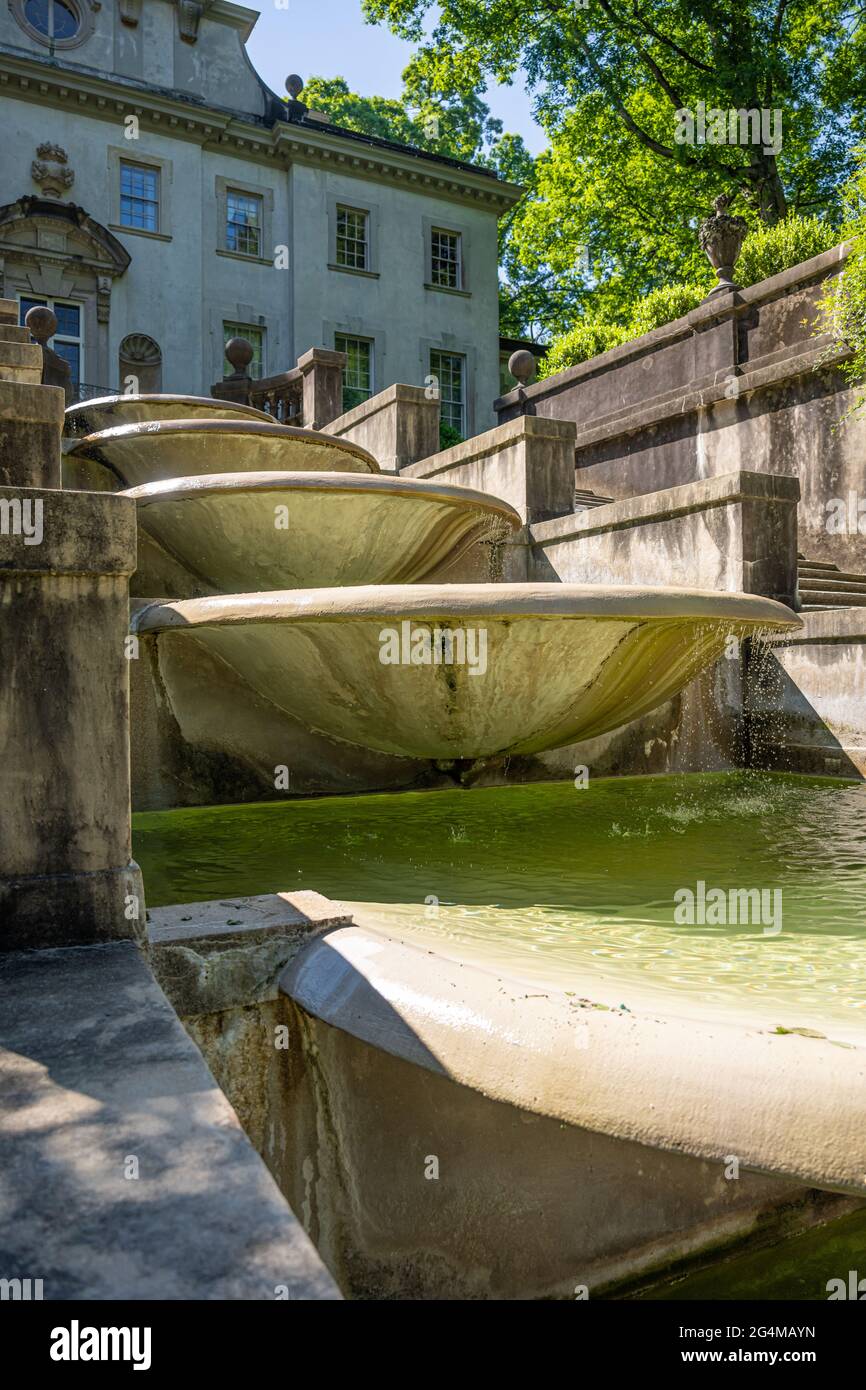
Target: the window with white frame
(449, 370)
(243, 223)
(139, 197)
(353, 238)
(358, 372)
(446, 269)
(68, 341)
(256, 339)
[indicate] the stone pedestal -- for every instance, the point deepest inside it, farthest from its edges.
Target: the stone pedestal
(66, 874)
(399, 426)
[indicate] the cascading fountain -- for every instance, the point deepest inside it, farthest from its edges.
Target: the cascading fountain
(315, 577)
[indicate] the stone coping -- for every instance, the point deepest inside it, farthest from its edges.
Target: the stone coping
(82, 532)
(492, 441)
(784, 1104)
(383, 400)
(96, 1070)
(494, 602)
(220, 922)
(719, 491)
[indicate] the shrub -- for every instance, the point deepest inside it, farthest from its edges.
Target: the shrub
(844, 304)
(448, 435)
(664, 305)
(769, 250)
(586, 339)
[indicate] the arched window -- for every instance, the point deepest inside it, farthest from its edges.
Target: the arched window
(140, 364)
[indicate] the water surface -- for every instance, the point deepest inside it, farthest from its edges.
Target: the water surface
(574, 885)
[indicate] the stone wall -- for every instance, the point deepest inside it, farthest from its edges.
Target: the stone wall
(746, 380)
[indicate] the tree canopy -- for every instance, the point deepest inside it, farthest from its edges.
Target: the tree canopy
(612, 204)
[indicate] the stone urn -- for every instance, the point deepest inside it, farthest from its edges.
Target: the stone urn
(721, 237)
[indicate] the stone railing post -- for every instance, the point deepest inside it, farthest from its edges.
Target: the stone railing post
(322, 373)
(41, 323)
(238, 386)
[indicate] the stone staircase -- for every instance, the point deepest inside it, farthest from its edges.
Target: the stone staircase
(584, 499)
(823, 585)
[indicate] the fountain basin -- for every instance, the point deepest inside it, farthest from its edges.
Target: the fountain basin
(236, 531)
(160, 449)
(110, 412)
(526, 667)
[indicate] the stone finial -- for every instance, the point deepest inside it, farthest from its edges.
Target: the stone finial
(42, 323)
(56, 371)
(521, 365)
(721, 237)
(239, 352)
(294, 107)
(51, 170)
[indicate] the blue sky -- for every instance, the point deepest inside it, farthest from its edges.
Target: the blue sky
(329, 38)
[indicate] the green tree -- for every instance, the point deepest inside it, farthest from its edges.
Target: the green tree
(613, 204)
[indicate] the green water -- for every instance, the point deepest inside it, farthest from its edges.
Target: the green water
(572, 883)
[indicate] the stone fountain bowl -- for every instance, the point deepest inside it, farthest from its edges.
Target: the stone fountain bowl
(544, 665)
(159, 449)
(107, 412)
(241, 531)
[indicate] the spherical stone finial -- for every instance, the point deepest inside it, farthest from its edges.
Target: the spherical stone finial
(239, 352)
(521, 365)
(294, 85)
(42, 323)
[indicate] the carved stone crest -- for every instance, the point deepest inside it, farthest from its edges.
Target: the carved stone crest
(51, 171)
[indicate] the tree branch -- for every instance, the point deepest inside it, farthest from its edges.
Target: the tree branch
(669, 43)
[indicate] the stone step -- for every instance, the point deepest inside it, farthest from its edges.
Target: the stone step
(584, 499)
(8, 311)
(805, 564)
(831, 577)
(13, 333)
(834, 585)
(827, 598)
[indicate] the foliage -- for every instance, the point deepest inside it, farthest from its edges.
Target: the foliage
(586, 339)
(448, 435)
(769, 250)
(613, 204)
(844, 305)
(766, 251)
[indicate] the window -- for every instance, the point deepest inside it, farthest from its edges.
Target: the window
(139, 197)
(55, 23)
(67, 341)
(256, 339)
(243, 223)
(54, 19)
(445, 259)
(448, 369)
(352, 238)
(358, 372)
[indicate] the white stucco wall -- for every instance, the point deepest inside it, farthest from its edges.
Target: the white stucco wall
(178, 288)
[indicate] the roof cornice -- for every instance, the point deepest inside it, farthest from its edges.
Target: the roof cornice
(174, 113)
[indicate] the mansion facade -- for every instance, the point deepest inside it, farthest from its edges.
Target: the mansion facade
(160, 199)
